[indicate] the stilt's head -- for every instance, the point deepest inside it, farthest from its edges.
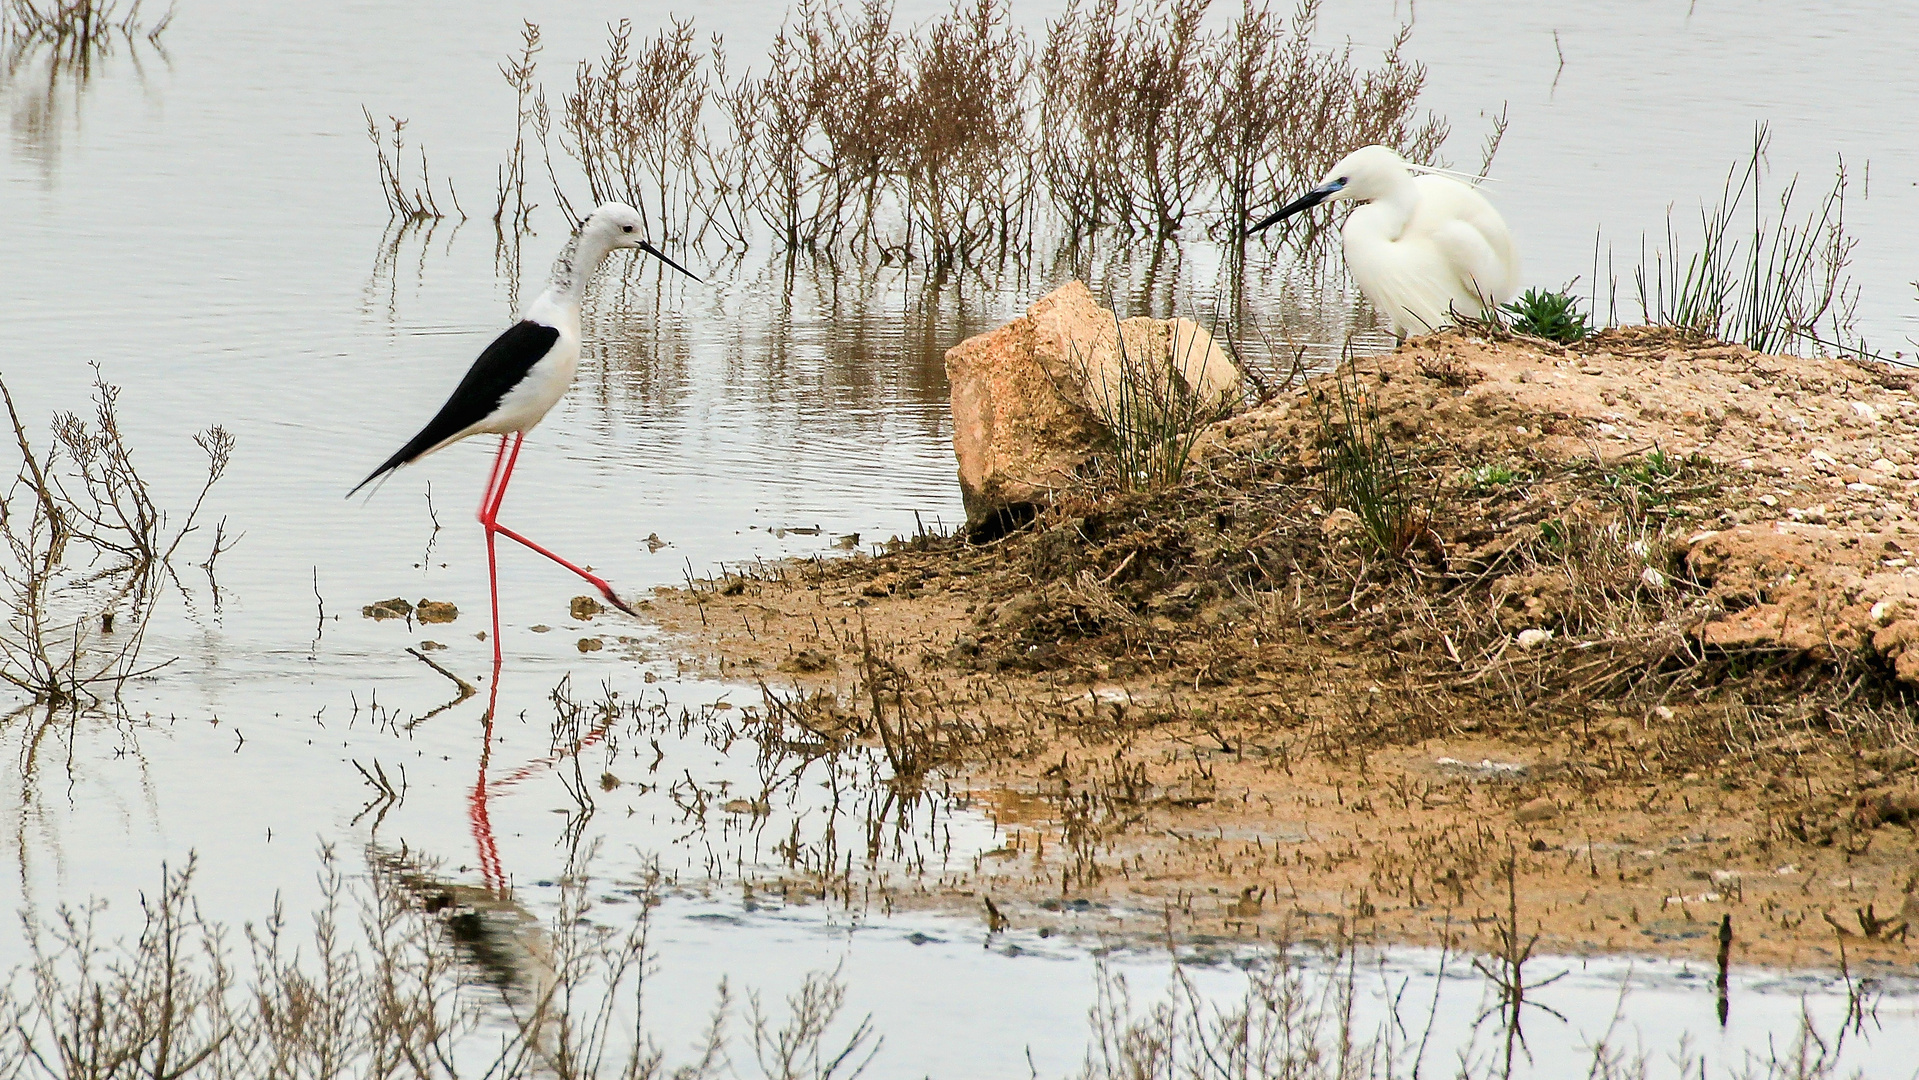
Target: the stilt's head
(1370, 172)
(617, 225)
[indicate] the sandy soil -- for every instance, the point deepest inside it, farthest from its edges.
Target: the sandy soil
(1603, 697)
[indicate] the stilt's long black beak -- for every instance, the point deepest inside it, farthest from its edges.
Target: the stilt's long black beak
(661, 255)
(1305, 202)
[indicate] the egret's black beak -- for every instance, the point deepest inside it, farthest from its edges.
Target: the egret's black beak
(661, 255)
(1305, 202)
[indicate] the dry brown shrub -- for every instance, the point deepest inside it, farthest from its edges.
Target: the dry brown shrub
(944, 141)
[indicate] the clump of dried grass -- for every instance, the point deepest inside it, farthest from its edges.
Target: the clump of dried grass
(1155, 404)
(405, 202)
(88, 551)
(945, 142)
(1362, 473)
(181, 998)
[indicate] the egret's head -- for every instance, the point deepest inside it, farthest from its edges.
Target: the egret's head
(620, 226)
(1369, 172)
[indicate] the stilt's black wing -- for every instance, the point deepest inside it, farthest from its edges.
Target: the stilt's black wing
(498, 370)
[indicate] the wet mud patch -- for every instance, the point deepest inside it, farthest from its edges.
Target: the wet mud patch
(1235, 705)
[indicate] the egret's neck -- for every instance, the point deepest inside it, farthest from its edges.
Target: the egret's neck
(1393, 209)
(577, 263)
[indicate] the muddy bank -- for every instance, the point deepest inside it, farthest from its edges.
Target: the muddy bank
(1632, 627)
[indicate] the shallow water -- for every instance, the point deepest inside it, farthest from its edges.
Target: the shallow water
(203, 222)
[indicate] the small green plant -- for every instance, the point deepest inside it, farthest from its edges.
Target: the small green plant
(1555, 536)
(1361, 473)
(1554, 316)
(1490, 477)
(1655, 479)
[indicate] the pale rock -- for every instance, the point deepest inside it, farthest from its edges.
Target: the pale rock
(1533, 638)
(1029, 398)
(1538, 810)
(1340, 522)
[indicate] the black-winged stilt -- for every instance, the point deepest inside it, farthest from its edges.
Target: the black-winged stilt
(521, 376)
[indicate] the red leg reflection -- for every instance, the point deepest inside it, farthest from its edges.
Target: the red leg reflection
(478, 819)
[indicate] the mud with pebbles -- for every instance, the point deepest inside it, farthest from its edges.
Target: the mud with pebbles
(1639, 666)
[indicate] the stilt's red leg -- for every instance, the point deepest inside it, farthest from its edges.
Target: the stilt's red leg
(490, 517)
(594, 579)
(493, 586)
(492, 478)
(489, 511)
(479, 819)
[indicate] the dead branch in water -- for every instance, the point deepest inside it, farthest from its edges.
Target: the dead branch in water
(87, 552)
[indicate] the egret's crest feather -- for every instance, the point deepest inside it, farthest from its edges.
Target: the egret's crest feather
(1455, 174)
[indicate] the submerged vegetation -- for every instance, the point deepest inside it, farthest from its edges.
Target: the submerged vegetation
(403, 975)
(88, 552)
(960, 138)
(77, 29)
(429, 986)
(50, 49)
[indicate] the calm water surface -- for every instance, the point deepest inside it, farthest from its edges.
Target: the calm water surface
(202, 221)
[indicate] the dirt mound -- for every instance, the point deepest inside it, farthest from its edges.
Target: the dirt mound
(1801, 524)
(1654, 588)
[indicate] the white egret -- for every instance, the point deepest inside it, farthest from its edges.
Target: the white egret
(1423, 248)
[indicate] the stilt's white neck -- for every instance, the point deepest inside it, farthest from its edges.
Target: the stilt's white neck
(578, 262)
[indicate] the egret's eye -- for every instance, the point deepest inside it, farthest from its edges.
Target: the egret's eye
(1342, 183)
(626, 228)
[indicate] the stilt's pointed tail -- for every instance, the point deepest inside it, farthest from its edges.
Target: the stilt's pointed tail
(498, 370)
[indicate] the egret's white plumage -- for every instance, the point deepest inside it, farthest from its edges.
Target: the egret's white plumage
(1422, 248)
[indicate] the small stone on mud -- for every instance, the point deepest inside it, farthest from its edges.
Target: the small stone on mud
(1487, 769)
(1339, 522)
(435, 611)
(807, 661)
(395, 608)
(591, 644)
(1540, 809)
(1533, 638)
(585, 607)
(431, 646)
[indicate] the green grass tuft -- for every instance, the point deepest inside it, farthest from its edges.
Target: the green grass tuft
(1362, 473)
